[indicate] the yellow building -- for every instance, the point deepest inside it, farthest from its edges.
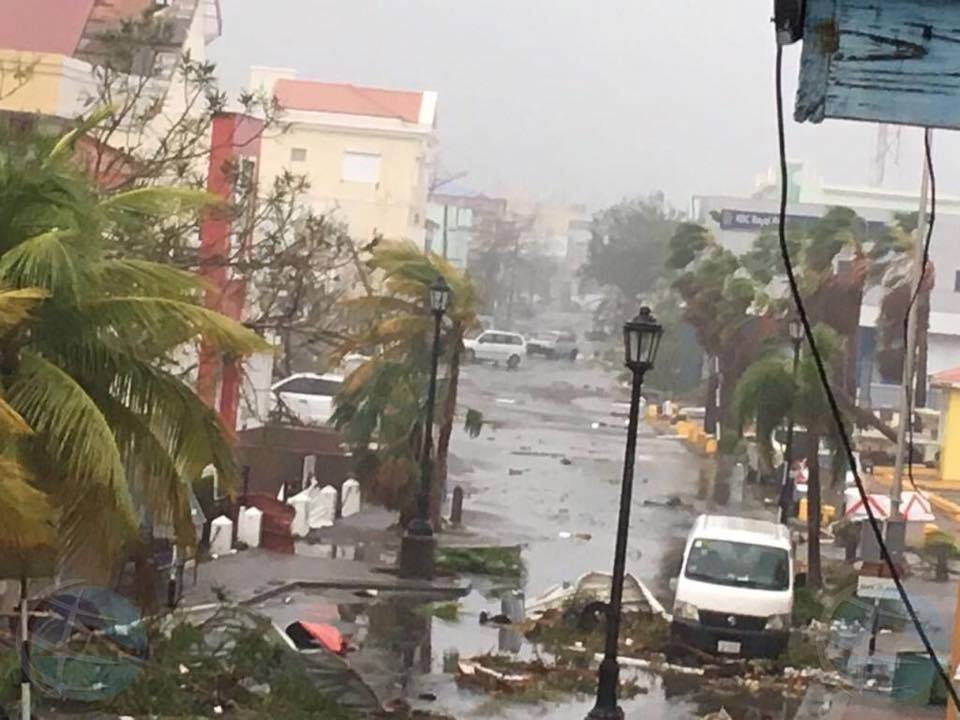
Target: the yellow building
(366, 151)
(49, 49)
(949, 382)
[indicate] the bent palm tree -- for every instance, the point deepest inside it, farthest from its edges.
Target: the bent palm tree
(399, 331)
(764, 397)
(90, 370)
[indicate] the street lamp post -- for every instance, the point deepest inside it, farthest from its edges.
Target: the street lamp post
(641, 339)
(417, 546)
(795, 328)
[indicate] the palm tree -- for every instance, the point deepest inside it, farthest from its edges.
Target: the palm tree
(764, 397)
(89, 367)
(383, 398)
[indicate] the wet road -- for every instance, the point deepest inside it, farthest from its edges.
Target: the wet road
(545, 474)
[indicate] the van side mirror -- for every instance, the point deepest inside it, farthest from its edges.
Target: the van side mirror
(672, 585)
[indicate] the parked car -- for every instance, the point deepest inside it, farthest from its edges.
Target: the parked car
(735, 590)
(306, 397)
(556, 344)
(497, 347)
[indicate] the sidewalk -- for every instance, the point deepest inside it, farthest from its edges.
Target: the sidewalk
(251, 576)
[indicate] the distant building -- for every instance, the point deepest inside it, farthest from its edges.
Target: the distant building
(49, 48)
(737, 221)
(366, 151)
(449, 229)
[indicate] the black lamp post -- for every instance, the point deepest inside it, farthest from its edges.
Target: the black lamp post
(417, 546)
(795, 328)
(641, 339)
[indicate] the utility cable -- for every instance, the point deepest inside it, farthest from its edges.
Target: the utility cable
(831, 398)
(928, 154)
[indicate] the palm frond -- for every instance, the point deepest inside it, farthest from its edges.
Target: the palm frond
(44, 261)
(159, 201)
(72, 430)
(179, 321)
(16, 305)
(66, 143)
(129, 276)
(28, 516)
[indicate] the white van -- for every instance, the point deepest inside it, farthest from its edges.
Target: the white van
(735, 590)
(497, 347)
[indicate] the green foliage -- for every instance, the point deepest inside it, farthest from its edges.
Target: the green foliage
(807, 606)
(383, 401)
(448, 612)
(630, 245)
(473, 423)
(88, 367)
(240, 666)
(503, 562)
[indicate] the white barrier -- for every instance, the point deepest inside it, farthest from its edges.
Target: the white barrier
(221, 535)
(250, 523)
(350, 498)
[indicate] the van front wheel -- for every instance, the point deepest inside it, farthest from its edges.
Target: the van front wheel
(514, 362)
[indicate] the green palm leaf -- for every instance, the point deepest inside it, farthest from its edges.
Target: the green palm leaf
(73, 432)
(129, 276)
(47, 261)
(28, 516)
(176, 321)
(159, 201)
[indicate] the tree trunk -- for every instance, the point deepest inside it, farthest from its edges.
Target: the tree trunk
(814, 575)
(447, 419)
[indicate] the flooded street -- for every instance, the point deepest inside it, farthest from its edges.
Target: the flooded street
(544, 474)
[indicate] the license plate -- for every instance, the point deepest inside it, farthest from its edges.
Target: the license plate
(730, 648)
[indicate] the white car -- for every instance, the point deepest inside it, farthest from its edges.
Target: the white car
(497, 347)
(306, 397)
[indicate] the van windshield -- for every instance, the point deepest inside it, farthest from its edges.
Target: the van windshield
(739, 564)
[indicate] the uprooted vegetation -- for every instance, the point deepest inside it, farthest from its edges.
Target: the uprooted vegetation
(503, 562)
(569, 641)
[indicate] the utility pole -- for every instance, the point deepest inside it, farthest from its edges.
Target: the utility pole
(916, 273)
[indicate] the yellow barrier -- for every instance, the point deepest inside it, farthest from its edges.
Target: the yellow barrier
(652, 412)
(827, 512)
(711, 447)
(683, 428)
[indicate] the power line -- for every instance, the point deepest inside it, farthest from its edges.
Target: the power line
(828, 390)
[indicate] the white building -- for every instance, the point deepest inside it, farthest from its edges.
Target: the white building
(737, 221)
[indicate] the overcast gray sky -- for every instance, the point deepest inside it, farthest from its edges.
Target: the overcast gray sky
(578, 100)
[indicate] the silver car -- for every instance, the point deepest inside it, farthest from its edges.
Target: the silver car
(556, 344)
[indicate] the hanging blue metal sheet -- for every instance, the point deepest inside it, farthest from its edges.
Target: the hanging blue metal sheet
(890, 61)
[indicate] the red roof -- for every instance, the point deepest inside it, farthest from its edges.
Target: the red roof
(347, 99)
(53, 26)
(947, 377)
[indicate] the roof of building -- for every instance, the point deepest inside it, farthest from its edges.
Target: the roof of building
(49, 26)
(348, 99)
(946, 378)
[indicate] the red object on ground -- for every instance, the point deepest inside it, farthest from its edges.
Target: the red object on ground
(275, 532)
(326, 635)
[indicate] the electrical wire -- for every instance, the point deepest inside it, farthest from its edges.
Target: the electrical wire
(828, 390)
(928, 154)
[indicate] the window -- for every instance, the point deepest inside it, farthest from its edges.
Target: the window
(956, 281)
(361, 167)
(311, 386)
(746, 565)
(515, 339)
(298, 154)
